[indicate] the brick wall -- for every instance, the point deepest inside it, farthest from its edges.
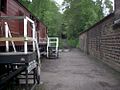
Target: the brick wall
(117, 4)
(103, 41)
(83, 42)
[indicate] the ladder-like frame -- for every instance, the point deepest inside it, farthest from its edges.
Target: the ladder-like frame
(50, 41)
(8, 37)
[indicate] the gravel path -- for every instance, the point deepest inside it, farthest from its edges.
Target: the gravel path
(76, 71)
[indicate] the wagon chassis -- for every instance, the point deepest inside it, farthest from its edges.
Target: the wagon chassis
(16, 69)
(18, 63)
(13, 74)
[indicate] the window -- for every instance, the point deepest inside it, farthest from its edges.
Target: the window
(3, 5)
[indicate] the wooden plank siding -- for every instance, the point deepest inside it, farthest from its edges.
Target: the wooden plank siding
(15, 8)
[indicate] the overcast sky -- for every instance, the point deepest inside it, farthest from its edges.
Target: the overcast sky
(60, 1)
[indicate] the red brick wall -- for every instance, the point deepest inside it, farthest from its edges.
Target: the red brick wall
(104, 42)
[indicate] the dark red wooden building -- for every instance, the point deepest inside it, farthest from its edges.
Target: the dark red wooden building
(15, 8)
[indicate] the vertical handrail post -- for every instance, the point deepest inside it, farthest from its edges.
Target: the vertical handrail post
(9, 35)
(33, 35)
(25, 35)
(6, 36)
(47, 46)
(57, 46)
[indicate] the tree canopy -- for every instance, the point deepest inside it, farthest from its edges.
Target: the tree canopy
(78, 15)
(48, 12)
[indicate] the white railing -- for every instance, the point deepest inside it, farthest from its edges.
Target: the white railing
(8, 37)
(25, 38)
(54, 41)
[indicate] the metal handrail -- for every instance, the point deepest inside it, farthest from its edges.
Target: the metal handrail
(25, 38)
(52, 40)
(7, 35)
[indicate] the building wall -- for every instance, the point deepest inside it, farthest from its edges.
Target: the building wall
(83, 42)
(117, 5)
(14, 8)
(103, 40)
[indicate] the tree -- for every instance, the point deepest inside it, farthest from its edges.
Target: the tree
(48, 12)
(79, 15)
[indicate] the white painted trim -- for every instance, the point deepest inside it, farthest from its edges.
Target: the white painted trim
(25, 35)
(50, 41)
(6, 35)
(33, 34)
(30, 20)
